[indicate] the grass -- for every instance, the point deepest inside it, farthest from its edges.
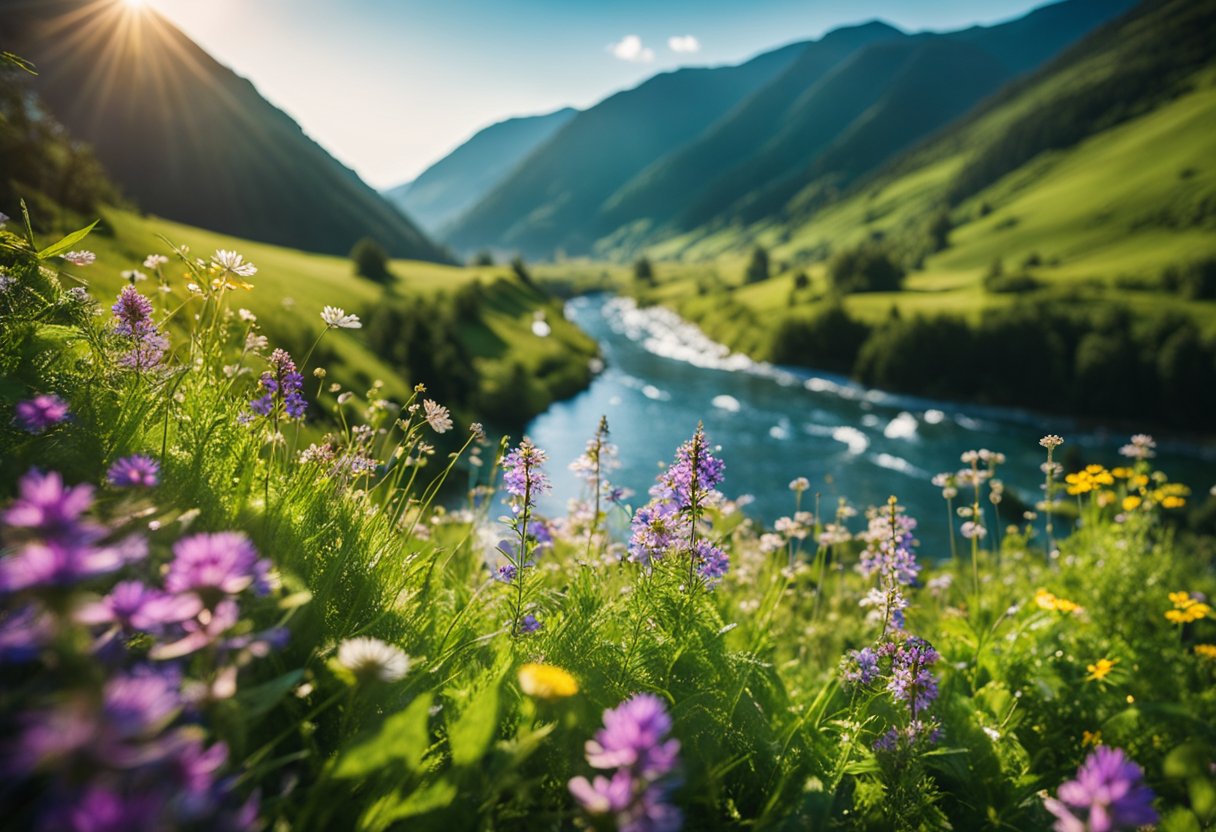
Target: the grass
(291, 288)
(779, 723)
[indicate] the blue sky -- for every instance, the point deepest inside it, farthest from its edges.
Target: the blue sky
(390, 86)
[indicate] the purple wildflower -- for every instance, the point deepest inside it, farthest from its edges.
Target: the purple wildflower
(890, 551)
(712, 562)
(135, 606)
(48, 508)
(1108, 794)
(281, 386)
(633, 737)
(133, 314)
(100, 809)
(862, 667)
(658, 527)
(225, 562)
(523, 476)
(41, 413)
(911, 680)
(134, 471)
(24, 632)
(141, 702)
(529, 624)
(634, 742)
(692, 476)
(201, 631)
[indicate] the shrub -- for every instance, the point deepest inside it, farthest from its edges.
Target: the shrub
(371, 261)
(867, 268)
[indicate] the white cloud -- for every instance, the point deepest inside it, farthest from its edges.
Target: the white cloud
(630, 48)
(683, 43)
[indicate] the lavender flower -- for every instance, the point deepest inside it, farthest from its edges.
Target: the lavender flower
(48, 508)
(529, 624)
(712, 562)
(890, 541)
(24, 632)
(1108, 794)
(225, 563)
(693, 475)
(135, 606)
(138, 471)
(523, 476)
(861, 667)
(133, 314)
(911, 681)
(141, 702)
(281, 387)
(41, 413)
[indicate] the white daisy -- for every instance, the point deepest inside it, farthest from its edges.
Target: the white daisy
(335, 317)
(230, 261)
(372, 659)
(437, 416)
(155, 261)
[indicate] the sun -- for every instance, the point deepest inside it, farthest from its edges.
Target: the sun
(136, 5)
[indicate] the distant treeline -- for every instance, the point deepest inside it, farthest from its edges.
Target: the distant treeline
(1090, 359)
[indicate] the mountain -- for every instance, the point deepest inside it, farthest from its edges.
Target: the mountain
(452, 185)
(190, 140)
(838, 110)
(827, 125)
(551, 200)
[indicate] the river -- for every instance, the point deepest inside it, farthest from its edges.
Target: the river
(773, 424)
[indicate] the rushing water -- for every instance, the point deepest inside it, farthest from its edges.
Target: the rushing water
(773, 424)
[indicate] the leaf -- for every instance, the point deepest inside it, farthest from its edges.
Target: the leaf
(66, 243)
(427, 799)
(403, 738)
(471, 734)
(258, 700)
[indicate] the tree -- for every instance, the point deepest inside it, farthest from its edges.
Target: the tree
(483, 258)
(757, 269)
(371, 261)
(801, 280)
(643, 272)
(867, 268)
(520, 268)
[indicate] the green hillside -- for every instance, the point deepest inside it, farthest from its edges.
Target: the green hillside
(187, 138)
(456, 182)
(291, 287)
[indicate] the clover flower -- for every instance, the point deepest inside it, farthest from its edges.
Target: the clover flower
(1107, 794)
(80, 258)
(370, 659)
(336, 318)
(41, 413)
(134, 472)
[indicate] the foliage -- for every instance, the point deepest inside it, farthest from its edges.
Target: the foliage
(371, 261)
(867, 268)
(757, 267)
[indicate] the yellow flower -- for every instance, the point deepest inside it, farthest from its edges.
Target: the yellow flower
(1100, 670)
(1131, 502)
(546, 681)
(1186, 609)
(1173, 502)
(1181, 600)
(1121, 473)
(1208, 651)
(1093, 738)
(1049, 601)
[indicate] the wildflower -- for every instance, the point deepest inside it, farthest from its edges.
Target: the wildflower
(80, 258)
(135, 606)
(39, 414)
(546, 681)
(1048, 601)
(224, 562)
(371, 659)
(134, 471)
(1131, 502)
(1051, 441)
(972, 529)
(1108, 794)
(282, 385)
(523, 476)
(1089, 479)
(336, 318)
(529, 624)
(948, 483)
(712, 562)
(1207, 651)
(1141, 446)
(799, 484)
(1091, 738)
(890, 543)
(1100, 670)
(437, 416)
(861, 667)
(695, 473)
(230, 263)
(1186, 608)
(155, 261)
(133, 276)
(133, 322)
(911, 680)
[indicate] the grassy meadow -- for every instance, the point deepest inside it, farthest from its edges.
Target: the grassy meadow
(215, 622)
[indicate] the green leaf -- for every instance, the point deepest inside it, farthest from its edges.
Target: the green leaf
(258, 700)
(435, 796)
(403, 738)
(473, 731)
(66, 243)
